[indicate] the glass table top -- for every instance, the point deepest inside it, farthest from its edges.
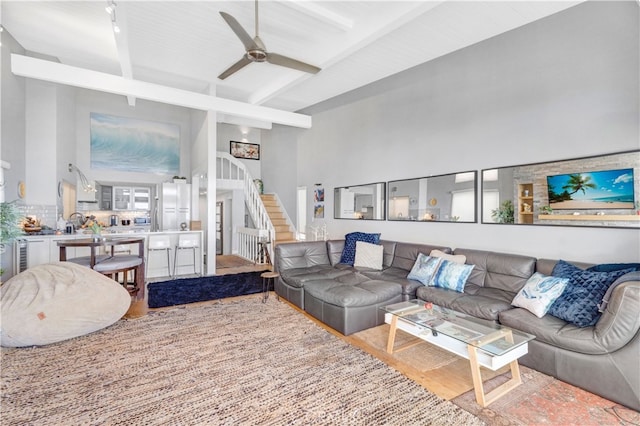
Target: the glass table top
(483, 334)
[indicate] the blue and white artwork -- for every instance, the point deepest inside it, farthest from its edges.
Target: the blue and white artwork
(133, 145)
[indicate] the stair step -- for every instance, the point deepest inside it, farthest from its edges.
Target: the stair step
(285, 236)
(278, 221)
(282, 228)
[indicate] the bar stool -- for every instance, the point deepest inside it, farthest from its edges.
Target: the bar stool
(124, 264)
(86, 260)
(159, 243)
(186, 242)
(267, 277)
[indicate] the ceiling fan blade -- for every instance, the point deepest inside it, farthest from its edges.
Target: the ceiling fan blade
(274, 58)
(235, 67)
(244, 37)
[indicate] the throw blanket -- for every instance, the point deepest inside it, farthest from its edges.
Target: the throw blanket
(631, 276)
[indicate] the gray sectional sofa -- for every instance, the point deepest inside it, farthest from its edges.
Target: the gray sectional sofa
(603, 359)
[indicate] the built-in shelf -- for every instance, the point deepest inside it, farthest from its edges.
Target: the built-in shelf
(605, 217)
(525, 203)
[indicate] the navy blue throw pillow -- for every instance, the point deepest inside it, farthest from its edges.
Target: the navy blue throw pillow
(578, 304)
(609, 267)
(349, 250)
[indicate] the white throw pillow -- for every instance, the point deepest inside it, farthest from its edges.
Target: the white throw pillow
(539, 293)
(57, 301)
(456, 258)
(368, 255)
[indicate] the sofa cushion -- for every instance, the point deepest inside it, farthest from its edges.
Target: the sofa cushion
(557, 332)
(349, 251)
(53, 302)
(368, 255)
(539, 293)
(504, 271)
(452, 275)
(301, 255)
(407, 253)
(481, 302)
(578, 304)
(298, 276)
(366, 293)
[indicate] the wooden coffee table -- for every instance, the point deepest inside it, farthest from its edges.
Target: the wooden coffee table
(482, 342)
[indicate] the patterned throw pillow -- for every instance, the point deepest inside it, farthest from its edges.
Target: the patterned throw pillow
(349, 250)
(578, 304)
(368, 255)
(424, 269)
(539, 293)
(452, 276)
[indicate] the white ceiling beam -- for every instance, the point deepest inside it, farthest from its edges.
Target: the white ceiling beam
(243, 121)
(410, 14)
(122, 45)
(79, 77)
(321, 14)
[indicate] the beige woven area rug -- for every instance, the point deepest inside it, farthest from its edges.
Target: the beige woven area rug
(233, 362)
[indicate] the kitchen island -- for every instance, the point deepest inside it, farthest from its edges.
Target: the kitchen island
(32, 250)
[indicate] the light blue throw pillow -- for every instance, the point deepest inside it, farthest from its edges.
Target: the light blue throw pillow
(452, 276)
(424, 269)
(539, 293)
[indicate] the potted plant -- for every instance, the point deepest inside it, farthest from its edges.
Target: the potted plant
(504, 213)
(546, 210)
(9, 225)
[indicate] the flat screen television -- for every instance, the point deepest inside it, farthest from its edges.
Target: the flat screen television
(598, 190)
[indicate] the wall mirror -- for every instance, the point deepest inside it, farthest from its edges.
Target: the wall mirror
(601, 191)
(364, 202)
(444, 198)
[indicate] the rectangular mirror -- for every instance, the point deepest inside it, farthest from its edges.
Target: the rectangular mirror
(444, 198)
(365, 202)
(601, 191)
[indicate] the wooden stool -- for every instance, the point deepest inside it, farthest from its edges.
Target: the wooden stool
(266, 278)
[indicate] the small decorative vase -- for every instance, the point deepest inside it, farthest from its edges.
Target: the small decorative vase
(97, 237)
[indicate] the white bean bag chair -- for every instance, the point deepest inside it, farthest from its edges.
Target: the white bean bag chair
(58, 301)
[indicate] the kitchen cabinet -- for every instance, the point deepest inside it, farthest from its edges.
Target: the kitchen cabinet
(106, 197)
(141, 198)
(122, 198)
(131, 198)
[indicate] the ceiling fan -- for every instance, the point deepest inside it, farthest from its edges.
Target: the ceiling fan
(257, 52)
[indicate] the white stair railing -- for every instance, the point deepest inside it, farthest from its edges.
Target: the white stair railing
(230, 169)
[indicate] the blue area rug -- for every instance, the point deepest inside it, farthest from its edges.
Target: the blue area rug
(190, 290)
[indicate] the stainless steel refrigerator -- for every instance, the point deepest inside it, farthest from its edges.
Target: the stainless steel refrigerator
(173, 209)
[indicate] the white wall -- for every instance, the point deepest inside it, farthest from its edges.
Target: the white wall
(563, 87)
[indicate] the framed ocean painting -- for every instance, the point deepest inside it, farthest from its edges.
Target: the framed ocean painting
(132, 145)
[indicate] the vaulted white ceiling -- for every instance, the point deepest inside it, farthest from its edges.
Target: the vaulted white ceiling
(186, 45)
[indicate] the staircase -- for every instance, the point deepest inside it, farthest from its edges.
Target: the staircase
(284, 232)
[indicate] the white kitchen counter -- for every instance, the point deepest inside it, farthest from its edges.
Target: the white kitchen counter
(44, 249)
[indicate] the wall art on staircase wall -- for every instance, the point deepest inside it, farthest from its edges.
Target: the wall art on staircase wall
(249, 151)
(132, 145)
(318, 202)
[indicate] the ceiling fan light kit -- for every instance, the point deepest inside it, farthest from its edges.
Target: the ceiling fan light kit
(256, 51)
